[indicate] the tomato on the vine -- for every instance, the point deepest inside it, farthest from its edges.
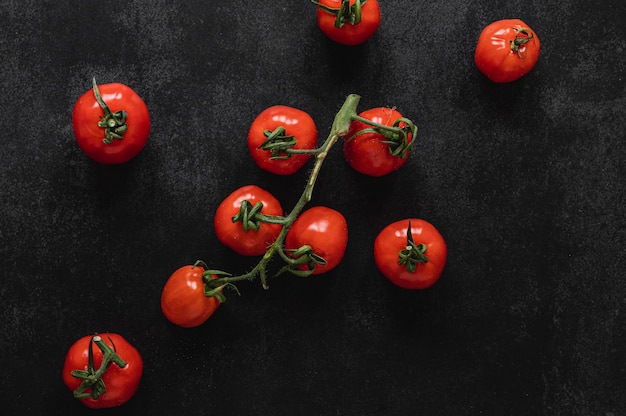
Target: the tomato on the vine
(183, 301)
(240, 229)
(276, 137)
(111, 123)
(507, 50)
(376, 152)
(103, 375)
(411, 253)
(325, 230)
(348, 22)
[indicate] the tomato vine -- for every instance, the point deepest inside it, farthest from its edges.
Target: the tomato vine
(216, 281)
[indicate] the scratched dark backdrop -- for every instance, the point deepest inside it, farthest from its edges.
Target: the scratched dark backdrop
(525, 181)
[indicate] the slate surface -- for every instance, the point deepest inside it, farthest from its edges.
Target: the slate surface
(525, 181)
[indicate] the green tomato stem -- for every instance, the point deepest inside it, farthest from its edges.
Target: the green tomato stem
(516, 45)
(92, 378)
(114, 124)
(412, 253)
(397, 137)
(345, 13)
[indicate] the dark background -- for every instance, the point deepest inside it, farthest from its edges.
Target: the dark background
(525, 181)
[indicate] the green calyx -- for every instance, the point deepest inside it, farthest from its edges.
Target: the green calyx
(250, 216)
(413, 254)
(92, 378)
(299, 257)
(114, 124)
(398, 136)
(522, 37)
(345, 13)
(279, 144)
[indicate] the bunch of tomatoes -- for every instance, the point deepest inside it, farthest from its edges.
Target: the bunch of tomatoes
(112, 124)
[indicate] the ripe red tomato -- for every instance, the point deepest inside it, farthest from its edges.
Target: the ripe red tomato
(248, 238)
(325, 230)
(507, 50)
(426, 256)
(287, 128)
(120, 382)
(371, 153)
(348, 22)
(183, 301)
(126, 116)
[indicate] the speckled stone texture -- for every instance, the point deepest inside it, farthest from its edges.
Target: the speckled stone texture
(525, 181)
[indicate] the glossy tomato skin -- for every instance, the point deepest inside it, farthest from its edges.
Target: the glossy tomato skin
(367, 153)
(393, 239)
(496, 59)
(233, 235)
(121, 383)
(325, 230)
(89, 135)
(183, 301)
(296, 123)
(348, 34)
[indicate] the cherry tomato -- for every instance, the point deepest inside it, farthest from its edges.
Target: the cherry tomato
(120, 380)
(125, 119)
(325, 230)
(371, 153)
(247, 237)
(183, 301)
(507, 50)
(411, 260)
(279, 128)
(348, 22)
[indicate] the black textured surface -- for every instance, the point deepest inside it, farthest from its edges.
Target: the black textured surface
(525, 181)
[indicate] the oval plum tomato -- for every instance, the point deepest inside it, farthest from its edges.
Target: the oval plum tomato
(277, 131)
(371, 153)
(183, 301)
(111, 123)
(325, 230)
(240, 229)
(120, 362)
(348, 22)
(410, 253)
(506, 50)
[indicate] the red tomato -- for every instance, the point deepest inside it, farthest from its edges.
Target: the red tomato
(125, 113)
(348, 22)
(287, 128)
(183, 301)
(120, 382)
(371, 153)
(507, 50)
(325, 231)
(244, 238)
(427, 255)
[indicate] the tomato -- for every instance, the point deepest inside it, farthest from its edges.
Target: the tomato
(348, 22)
(372, 153)
(120, 380)
(276, 129)
(325, 230)
(507, 50)
(126, 116)
(183, 301)
(412, 260)
(247, 237)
